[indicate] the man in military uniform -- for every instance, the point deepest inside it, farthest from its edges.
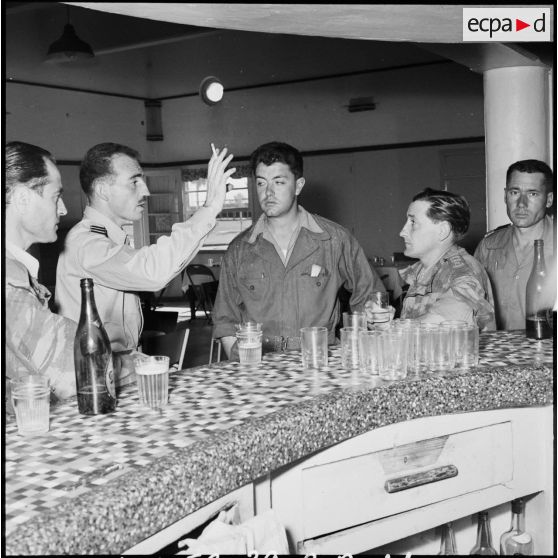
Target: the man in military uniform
(446, 283)
(507, 252)
(97, 247)
(37, 341)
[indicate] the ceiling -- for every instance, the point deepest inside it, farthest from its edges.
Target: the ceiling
(243, 44)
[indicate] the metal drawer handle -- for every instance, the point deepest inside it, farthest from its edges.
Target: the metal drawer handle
(418, 479)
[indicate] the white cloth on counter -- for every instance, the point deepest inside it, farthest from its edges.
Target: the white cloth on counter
(263, 534)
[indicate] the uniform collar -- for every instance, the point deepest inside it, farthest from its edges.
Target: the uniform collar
(500, 241)
(412, 271)
(305, 220)
(114, 232)
(31, 263)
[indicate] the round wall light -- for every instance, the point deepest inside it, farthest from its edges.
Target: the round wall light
(211, 90)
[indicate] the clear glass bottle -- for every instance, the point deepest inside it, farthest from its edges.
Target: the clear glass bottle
(516, 541)
(93, 358)
(483, 547)
(447, 544)
(537, 304)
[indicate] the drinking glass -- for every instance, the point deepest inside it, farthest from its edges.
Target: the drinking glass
(380, 307)
(394, 354)
(415, 359)
(31, 401)
(457, 334)
(313, 344)
(443, 357)
(249, 339)
(349, 348)
(152, 373)
(428, 349)
(370, 350)
(470, 346)
(355, 319)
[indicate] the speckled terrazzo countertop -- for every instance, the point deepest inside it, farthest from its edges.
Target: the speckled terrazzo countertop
(99, 485)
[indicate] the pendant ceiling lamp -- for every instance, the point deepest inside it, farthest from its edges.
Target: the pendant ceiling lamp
(69, 47)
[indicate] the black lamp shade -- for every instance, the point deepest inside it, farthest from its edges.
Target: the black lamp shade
(68, 47)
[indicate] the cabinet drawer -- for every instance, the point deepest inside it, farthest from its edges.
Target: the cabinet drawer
(352, 491)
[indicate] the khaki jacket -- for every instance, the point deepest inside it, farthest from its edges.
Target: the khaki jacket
(508, 275)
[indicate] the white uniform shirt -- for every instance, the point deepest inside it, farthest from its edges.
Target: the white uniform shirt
(96, 248)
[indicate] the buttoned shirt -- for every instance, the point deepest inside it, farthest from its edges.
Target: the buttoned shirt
(36, 340)
(256, 285)
(508, 274)
(96, 247)
(455, 287)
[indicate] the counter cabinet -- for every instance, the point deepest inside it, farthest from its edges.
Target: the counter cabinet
(318, 448)
(336, 501)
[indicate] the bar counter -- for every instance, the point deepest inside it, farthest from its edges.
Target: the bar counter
(101, 484)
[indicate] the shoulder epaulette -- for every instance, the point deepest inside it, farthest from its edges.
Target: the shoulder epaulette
(98, 229)
(497, 229)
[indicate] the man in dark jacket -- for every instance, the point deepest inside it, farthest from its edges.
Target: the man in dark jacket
(286, 270)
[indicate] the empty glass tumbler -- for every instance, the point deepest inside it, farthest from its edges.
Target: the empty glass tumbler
(349, 347)
(370, 350)
(457, 334)
(355, 319)
(313, 344)
(394, 354)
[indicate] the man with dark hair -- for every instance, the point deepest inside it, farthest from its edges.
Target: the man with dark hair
(37, 341)
(286, 270)
(507, 252)
(98, 247)
(446, 283)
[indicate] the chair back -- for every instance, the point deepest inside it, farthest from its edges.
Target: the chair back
(171, 344)
(204, 286)
(199, 274)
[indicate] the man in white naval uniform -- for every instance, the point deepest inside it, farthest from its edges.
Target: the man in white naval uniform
(97, 247)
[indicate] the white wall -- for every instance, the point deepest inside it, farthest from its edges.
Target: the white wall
(425, 103)
(68, 123)
(419, 104)
(369, 192)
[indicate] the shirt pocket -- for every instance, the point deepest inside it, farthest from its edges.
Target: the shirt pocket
(315, 278)
(497, 262)
(254, 285)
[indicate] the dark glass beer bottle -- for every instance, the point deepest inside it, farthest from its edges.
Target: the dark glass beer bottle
(517, 541)
(93, 358)
(536, 298)
(483, 547)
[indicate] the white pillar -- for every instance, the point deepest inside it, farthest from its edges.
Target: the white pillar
(518, 125)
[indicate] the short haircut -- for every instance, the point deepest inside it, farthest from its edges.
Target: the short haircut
(530, 166)
(26, 164)
(447, 206)
(97, 163)
(277, 152)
